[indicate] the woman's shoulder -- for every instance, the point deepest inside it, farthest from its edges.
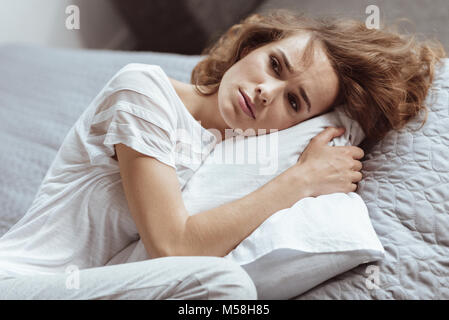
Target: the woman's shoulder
(141, 67)
(145, 78)
(145, 86)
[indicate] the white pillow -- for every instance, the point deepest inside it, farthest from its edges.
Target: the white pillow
(296, 248)
(299, 247)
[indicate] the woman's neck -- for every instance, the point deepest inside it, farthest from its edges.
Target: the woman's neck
(203, 108)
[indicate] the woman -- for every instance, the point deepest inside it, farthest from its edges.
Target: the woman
(117, 176)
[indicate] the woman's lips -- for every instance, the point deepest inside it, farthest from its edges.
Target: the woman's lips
(245, 107)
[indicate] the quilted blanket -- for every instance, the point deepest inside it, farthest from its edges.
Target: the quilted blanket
(43, 91)
(406, 190)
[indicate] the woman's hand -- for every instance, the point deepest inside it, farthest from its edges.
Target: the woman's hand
(328, 169)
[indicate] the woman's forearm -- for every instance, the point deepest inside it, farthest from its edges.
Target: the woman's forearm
(321, 169)
(217, 231)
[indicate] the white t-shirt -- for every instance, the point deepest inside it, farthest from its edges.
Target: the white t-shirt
(80, 215)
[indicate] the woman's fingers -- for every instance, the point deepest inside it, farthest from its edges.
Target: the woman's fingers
(354, 151)
(357, 165)
(357, 153)
(325, 136)
(356, 176)
(330, 169)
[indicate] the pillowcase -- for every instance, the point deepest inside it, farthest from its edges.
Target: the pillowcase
(296, 248)
(239, 165)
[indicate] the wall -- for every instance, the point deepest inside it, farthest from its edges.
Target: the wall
(43, 22)
(426, 18)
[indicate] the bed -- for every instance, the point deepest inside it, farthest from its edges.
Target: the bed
(406, 176)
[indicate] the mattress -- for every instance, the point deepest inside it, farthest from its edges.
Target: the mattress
(43, 91)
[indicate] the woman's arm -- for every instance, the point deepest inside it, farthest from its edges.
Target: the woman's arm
(166, 229)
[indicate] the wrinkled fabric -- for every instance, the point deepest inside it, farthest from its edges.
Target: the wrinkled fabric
(80, 214)
(325, 235)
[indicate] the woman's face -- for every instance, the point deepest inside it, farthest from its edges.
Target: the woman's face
(278, 98)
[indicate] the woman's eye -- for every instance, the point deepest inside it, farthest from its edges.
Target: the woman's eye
(293, 102)
(275, 65)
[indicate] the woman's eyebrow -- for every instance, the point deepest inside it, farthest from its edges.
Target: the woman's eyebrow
(286, 61)
(305, 97)
(290, 70)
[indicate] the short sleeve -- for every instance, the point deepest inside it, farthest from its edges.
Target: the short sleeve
(138, 111)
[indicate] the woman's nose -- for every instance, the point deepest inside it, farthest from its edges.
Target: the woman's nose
(261, 96)
(267, 93)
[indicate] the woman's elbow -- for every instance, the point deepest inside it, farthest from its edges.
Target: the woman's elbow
(169, 250)
(176, 251)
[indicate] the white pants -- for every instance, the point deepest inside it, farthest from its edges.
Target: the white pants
(187, 278)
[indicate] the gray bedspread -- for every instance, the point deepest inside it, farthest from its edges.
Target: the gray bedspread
(42, 93)
(406, 177)
(406, 190)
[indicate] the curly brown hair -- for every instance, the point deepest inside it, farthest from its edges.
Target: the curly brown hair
(384, 76)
